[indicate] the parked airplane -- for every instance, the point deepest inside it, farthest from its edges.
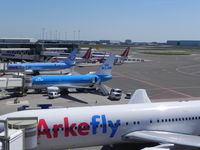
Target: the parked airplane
(83, 59)
(36, 67)
(138, 121)
(76, 81)
(103, 56)
(87, 57)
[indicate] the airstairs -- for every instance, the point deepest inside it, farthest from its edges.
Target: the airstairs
(103, 90)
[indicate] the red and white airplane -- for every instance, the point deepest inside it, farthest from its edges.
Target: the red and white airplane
(103, 56)
(138, 121)
(84, 59)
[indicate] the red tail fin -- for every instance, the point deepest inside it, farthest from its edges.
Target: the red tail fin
(125, 53)
(88, 54)
(101, 60)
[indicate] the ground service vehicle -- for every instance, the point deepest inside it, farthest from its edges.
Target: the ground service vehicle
(53, 92)
(128, 96)
(114, 96)
(116, 90)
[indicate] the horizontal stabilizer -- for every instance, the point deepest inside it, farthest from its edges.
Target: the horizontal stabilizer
(140, 96)
(164, 137)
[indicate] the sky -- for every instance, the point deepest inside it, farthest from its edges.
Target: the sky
(138, 20)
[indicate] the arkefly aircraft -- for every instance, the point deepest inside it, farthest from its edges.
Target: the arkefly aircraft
(76, 81)
(139, 121)
(36, 67)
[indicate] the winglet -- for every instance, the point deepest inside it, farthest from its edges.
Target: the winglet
(72, 57)
(140, 96)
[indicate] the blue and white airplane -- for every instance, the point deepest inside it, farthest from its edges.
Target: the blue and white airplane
(138, 122)
(76, 81)
(35, 67)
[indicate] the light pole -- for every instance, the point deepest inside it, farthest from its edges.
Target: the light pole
(43, 32)
(79, 32)
(74, 35)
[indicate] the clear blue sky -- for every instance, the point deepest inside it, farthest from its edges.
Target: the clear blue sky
(138, 20)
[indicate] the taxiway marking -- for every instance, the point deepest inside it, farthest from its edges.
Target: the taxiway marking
(154, 85)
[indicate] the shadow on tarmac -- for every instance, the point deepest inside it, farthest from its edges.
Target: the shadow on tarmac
(128, 146)
(73, 99)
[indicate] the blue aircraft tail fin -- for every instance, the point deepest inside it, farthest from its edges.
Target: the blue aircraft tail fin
(71, 58)
(106, 67)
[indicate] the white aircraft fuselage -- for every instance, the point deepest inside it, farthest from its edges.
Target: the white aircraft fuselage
(101, 125)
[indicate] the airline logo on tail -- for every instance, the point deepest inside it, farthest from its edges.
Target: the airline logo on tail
(79, 129)
(72, 56)
(106, 67)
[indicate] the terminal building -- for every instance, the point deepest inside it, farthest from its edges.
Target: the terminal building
(31, 49)
(183, 43)
(128, 41)
(17, 40)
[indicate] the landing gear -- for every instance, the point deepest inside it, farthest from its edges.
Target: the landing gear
(38, 91)
(36, 72)
(19, 92)
(81, 90)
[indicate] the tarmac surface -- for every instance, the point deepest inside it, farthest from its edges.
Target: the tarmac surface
(166, 78)
(163, 77)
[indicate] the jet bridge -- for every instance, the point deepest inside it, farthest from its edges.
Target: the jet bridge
(6, 84)
(19, 133)
(10, 82)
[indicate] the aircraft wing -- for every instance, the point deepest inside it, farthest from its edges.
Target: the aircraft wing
(164, 137)
(73, 86)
